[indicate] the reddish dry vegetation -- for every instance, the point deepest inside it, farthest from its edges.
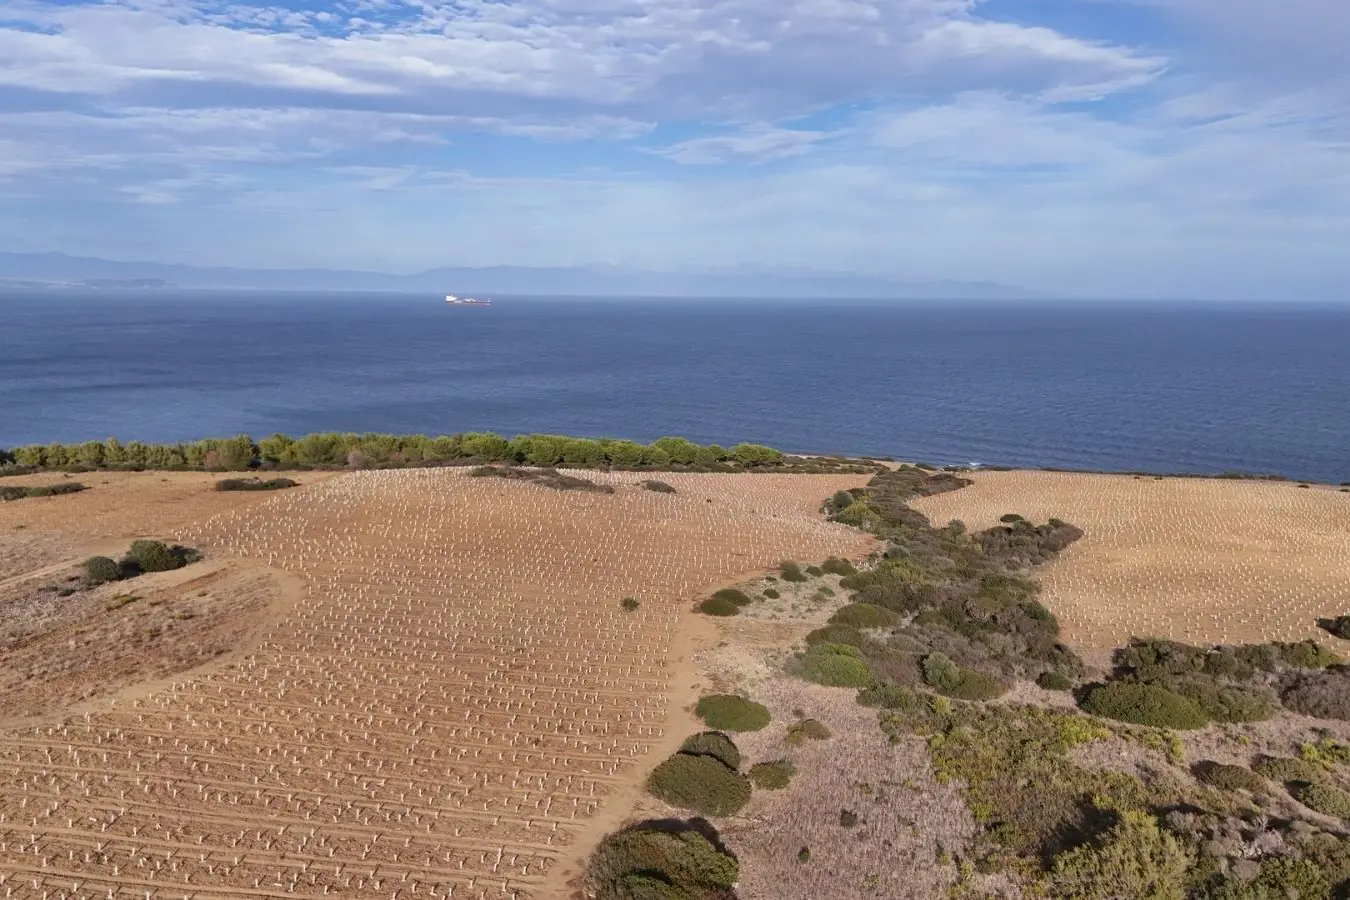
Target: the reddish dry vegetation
(454, 693)
(1200, 561)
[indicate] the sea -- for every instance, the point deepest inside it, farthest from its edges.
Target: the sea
(1161, 387)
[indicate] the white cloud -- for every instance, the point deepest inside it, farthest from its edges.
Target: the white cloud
(758, 143)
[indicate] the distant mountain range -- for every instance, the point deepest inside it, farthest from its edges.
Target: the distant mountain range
(61, 270)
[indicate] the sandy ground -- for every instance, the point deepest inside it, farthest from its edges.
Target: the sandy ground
(1202, 561)
(454, 705)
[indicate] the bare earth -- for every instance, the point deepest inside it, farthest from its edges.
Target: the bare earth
(437, 692)
(1202, 561)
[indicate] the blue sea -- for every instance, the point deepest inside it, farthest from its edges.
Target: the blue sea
(1159, 387)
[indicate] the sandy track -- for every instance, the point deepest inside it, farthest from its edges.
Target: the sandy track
(1189, 559)
(453, 699)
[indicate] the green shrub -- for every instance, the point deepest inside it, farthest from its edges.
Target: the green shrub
(799, 733)
(836, 634)
(1323, 798)
(630, 603)
(718, 606)
(11, 492)
(732, 595)
(772, 776)
(727, 712)
(836, 566)
(940, 672)
(1143, 704)
(101, 570)
(1225, 702)
(1307, 655)
(702, 784)
(835, 665)
(1228, 778)
(976, 685)
(255, 484)
(863, 615)
(1135, 859)
(640, 862)
(714, 744)
(1287, 770)
(815, 571)
(790, 571)
(1054, 681)
(888, 695)
(659, 487)
(154, 556)
(771, 594)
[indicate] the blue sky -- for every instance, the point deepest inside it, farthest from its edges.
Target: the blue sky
(1196, 148)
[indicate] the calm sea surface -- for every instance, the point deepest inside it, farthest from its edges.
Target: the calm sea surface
(1103, 386)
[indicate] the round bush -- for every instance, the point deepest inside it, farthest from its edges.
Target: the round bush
(772, 776)
(790, 571)
(1143, 704)
(1054, 681)
(101, 569)
(1286, 769)
(714, 744)
(815, 571)
(1323, 798)
(1228, 778)
(630, 603)
(701, 784)
(727, 712)
(731, 595)
(863, 615)
(836, 665)
(940, 672)
(718, 606)
(836, 566)
(771, 594)
(154, 556)
(661, 861)
(799, 733)
(976, 685)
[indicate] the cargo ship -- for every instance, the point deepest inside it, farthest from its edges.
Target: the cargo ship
(465, 301)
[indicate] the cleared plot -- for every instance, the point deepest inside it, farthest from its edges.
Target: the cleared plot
(1189, 559)
(455, 694)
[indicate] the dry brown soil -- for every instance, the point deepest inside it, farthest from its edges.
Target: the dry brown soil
(1196, 560)
(452, 704)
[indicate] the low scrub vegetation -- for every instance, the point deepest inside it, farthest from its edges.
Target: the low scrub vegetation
(700, 783)
(805, 730)
(835, 665)
(143, 556)
(14, 492)
(772, 776)
(549, 478)
(728, 712)
(714, 744)
(255, 484)
(659, 487)
(1143, 704)
(1229, 777)
(662, 860)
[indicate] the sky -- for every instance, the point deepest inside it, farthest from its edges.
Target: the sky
(1112, 148)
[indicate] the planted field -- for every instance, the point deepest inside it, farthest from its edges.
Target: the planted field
(1202, 561)
(455, 693)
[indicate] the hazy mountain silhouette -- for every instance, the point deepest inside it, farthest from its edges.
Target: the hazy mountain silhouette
(59, 268)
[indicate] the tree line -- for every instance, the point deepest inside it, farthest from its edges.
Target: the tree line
(329, 450)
